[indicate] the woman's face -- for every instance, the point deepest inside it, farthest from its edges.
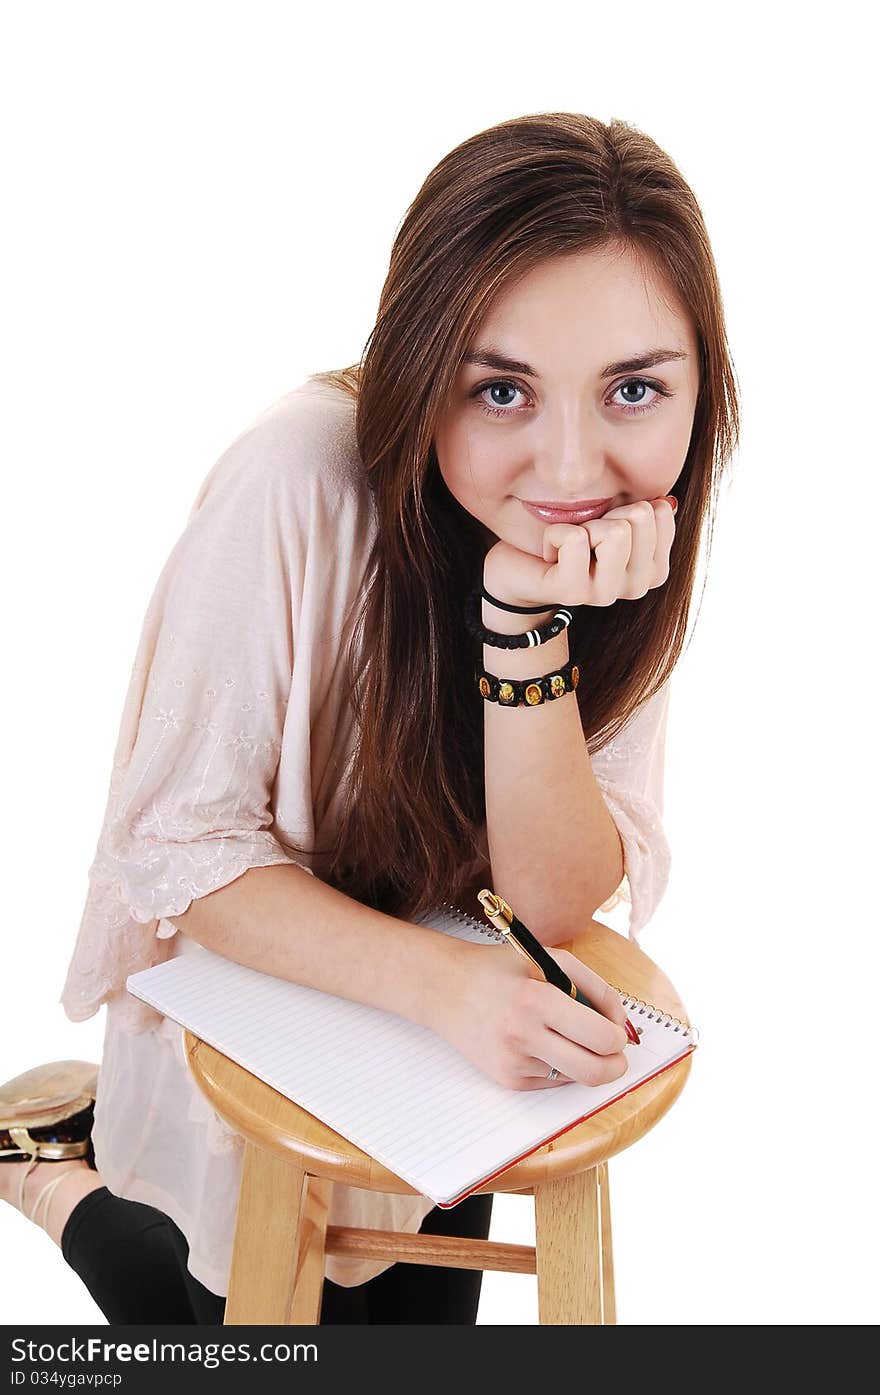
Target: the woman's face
(569, 422)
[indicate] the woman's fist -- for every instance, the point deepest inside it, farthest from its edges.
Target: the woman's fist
(620, 556)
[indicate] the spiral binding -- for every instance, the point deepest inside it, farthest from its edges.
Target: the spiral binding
(640, 1008)
(464, 918)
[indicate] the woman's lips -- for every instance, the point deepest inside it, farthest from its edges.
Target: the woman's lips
(579, 515)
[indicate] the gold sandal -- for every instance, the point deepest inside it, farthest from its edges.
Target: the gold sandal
(46, 1115)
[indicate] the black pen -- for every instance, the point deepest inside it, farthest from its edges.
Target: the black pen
(496, 909)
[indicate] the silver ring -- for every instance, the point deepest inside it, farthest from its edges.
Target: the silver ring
(552, 1073)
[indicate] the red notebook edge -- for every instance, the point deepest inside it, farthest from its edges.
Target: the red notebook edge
(448, 1205)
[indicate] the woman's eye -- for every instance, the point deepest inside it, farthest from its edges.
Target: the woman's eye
(634, 391)
(640, 404)
(506, 389)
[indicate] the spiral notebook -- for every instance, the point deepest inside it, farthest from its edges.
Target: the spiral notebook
(395, 1089)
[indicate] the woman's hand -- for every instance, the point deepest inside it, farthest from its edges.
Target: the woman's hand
(514, 1027)
(620, 556)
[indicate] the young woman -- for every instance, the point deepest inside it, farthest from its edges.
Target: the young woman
(338, 719)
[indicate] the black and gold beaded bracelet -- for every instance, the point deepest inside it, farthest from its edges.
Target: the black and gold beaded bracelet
(527, 692)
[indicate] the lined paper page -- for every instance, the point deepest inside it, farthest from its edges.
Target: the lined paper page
(395, 1089)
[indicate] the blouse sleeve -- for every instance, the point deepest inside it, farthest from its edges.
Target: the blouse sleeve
(190, 806)
(214, 766)
(194, 799)
(629, 772)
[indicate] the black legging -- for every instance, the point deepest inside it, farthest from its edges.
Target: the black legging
(133, 1260)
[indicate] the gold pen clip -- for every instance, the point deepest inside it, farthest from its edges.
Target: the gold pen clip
(501, 916)
(496, 909)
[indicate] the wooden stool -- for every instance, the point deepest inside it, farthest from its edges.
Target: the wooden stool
(291, 1161)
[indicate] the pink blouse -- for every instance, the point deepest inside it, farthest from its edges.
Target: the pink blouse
(234, 744)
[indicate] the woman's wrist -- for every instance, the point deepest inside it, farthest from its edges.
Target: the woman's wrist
(507, 622)
(444, 986)
(531, 661)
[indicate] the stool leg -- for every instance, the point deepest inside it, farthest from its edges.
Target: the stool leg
(568, 1250)
(609, 1306)
(277, 1268)
(309, 1288)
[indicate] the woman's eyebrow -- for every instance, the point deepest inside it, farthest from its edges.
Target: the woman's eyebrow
(489, 357)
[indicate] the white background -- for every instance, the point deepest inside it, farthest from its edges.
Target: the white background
(201, 201)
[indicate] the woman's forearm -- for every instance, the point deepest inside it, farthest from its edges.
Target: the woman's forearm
(284, 922)
(556, 853)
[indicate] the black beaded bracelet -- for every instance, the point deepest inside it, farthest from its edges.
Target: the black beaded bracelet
(527, 692)
(561, 620)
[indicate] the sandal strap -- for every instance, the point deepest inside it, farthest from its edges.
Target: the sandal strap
(24, 1176)
(44, 1198)
(53, 1151)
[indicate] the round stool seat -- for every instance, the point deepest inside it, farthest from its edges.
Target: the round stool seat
(271, 1121)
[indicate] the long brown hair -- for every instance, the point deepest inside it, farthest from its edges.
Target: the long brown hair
(491, 210)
